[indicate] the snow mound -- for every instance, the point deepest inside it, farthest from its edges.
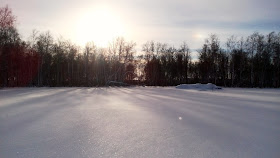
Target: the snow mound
(198, 86)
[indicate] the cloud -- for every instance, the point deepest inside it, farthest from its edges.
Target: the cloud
(169, 21)
(249, 25)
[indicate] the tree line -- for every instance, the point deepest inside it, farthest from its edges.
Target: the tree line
(41, 60)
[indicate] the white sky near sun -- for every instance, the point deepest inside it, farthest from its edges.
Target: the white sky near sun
(165, 21)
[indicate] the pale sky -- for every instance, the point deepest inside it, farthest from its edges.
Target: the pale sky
(169, 21)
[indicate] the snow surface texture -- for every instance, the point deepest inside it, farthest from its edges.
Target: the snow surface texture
(139, 122)
(199, 86)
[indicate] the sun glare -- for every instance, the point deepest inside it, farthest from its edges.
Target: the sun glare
(99, 25)
(198, 35)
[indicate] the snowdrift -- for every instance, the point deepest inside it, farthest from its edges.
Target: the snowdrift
(199, 86)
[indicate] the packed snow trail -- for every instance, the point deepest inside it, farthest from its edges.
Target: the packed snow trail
(139, 122)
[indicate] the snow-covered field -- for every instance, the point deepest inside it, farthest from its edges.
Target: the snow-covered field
(139, 122)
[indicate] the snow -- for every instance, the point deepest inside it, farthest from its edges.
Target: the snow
(139, 122)
(198, 86)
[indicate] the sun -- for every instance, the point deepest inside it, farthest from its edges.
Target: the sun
(99, 25)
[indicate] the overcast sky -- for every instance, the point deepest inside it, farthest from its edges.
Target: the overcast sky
(170, 21)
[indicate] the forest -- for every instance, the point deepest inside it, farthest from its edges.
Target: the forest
(42, 60)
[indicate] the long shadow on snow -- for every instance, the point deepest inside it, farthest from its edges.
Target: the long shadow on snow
(35, 111)
(210, 113)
